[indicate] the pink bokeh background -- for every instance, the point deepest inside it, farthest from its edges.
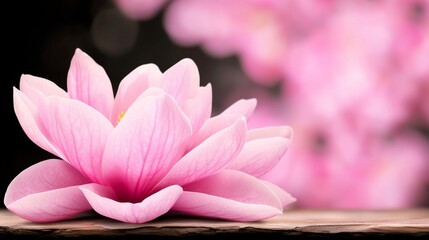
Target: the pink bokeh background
(351, 78)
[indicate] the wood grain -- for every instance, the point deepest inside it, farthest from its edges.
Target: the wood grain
(293, 224)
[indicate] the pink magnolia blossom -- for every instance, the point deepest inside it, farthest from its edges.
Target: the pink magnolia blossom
(151, 149)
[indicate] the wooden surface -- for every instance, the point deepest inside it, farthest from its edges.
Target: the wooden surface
(293, 224)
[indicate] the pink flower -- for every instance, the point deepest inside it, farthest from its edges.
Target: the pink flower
(151, 149)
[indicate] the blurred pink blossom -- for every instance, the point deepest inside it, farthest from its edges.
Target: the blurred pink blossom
(140, 9)
(346, 69)
(257, 31)
(331, 165)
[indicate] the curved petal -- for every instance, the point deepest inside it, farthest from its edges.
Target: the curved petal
(284, 197)
(79, 132)
(260, 156)
(182, 80)
(102, 200)
(200, 204)
(150, 138)
(47, 191)
(199, 107)
(212, 126)
(208, 157)
(271, 131)
(244, 107)
(231, 195)
(88, 82)
(27, 115)
(48, 88)
(134, 84)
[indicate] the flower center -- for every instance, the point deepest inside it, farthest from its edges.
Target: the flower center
(120, 116)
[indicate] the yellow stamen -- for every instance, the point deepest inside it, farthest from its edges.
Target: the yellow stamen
(120, 116)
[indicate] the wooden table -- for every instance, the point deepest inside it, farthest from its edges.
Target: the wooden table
(293, 224)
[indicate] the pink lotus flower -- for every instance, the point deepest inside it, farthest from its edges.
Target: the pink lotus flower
(151, 149)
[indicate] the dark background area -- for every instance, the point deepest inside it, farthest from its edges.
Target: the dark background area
(40, 38)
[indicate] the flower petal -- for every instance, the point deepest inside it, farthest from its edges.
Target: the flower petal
(212, 126)
(231, 195)
(243, 107)
(200, 204)
(102, 199)
(48, 88)
(260, 156)
(182, 80)
(88, 82)
(208, 157)
(80, 133)
(134, 84)
(28, 117)
(284, 197)
(47, 191)
(199, 107)
(149, 140)
(271, 131)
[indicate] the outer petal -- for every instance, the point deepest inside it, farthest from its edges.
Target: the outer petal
(231, 195)
(28, 117)
(260, 156)
(264, 148)
(47, 191)
(285, 197)
(133, 85)
(212, 126)
(243, 107)
(79, 132)
(29, 83)
(182, 80)
(272, 131)
(102, 200)
(199, 108)
(209, 157)
(88, 82)
(151, 137)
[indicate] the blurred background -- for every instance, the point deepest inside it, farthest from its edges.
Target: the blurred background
(350, 77)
